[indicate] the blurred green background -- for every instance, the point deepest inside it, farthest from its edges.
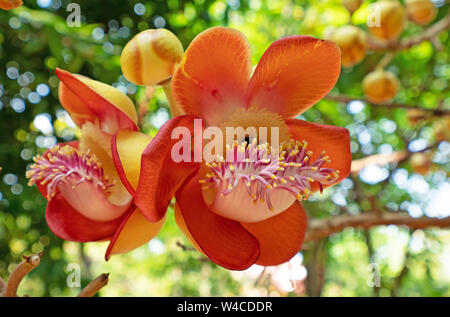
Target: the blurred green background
(35, 39)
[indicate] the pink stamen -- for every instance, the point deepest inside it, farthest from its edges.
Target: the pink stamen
(264, 171)
(66, 164)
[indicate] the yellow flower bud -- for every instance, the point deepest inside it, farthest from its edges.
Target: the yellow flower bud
(441, 129)
(420, 11)
(380, 86)
(351, 5)
(10, 4)
(151, 57)
(420, 163)
(391, 20)
(353, 44)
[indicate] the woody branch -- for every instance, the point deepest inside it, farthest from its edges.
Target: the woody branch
(347, 99)
(9, 289)
(321, 228)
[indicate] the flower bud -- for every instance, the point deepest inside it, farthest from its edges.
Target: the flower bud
(391, 17)
(10, 4)
(380, 86)
(441, 129)
(420, 163)
(420, 11)
(151, 57)
(351, 5)
(353, 44)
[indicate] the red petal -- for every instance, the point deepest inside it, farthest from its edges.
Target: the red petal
(334, 140)
(160, 176)
(281, 236)
(85, 104)
(68, 224)
(224, 241)
(212, 79)
(293, 74)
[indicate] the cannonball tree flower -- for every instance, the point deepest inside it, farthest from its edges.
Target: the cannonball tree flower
(247, 211)
(90, 183)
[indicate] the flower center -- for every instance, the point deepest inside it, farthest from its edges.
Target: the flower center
(80, 179)
(272, 181)
(66, 164)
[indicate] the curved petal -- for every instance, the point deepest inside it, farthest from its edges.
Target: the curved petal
(213, 76)
(89, 100)
(134, 231)
(224, 241)
(281, 236)
(127, 148)
(68, 224)
(294, 73)
(160, 175)
(334, 140)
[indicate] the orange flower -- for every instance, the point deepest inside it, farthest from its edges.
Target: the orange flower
(89, 199)
(239, 214)
(10, 4)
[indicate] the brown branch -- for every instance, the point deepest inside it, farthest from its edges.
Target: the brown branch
(185, 247)
(93, 287)
(347, 99)
(378, 159)
(321, 228)
(383, 159)
(24, 267)
(427, 35)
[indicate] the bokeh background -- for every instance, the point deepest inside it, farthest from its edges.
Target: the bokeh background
(35, 39)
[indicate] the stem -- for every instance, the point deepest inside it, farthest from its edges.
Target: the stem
(24, 267)
(322, 228)
(174, 109)
(387, 58)
(93, 287)
(347, 99)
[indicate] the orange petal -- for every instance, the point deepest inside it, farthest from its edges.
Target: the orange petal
(10, 4)
(334, 140)
(281, 236)
(183, 227)
(212, 79)
(134, 231)
(68, 224)
(224, 241)
(160, 176)
(293, 74)
(127, 148)
(89, 100)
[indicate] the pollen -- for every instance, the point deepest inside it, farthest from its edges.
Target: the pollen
(263, 170)
(64, 163)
